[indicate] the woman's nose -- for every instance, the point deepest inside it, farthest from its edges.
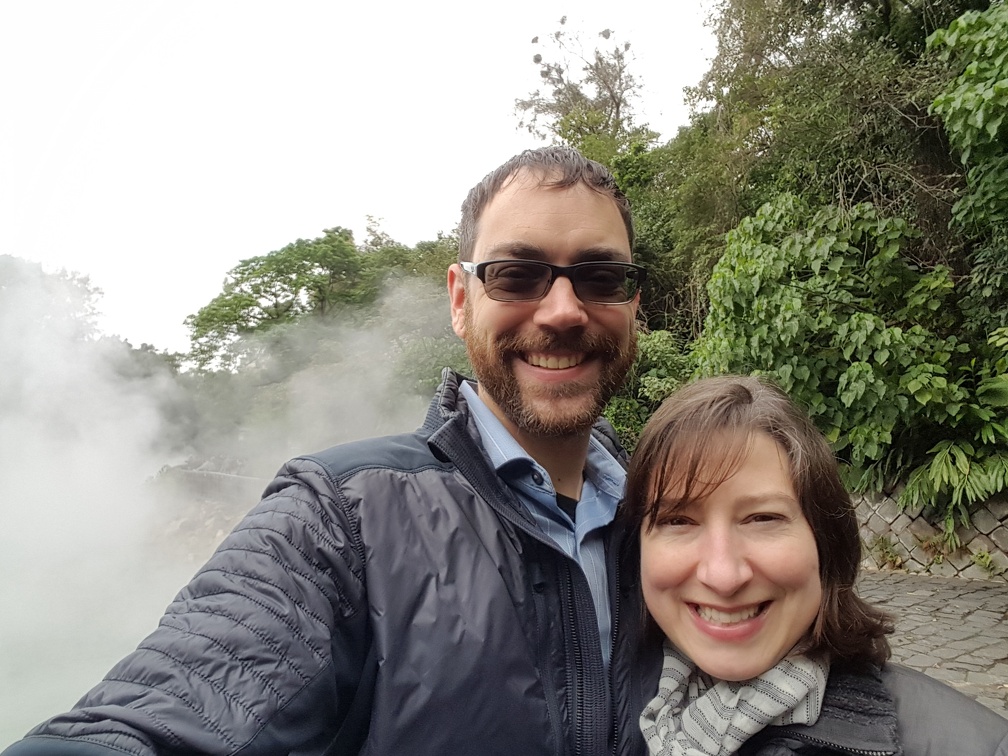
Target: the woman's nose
(723, 563)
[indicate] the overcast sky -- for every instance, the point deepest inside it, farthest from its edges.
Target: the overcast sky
(153, 145)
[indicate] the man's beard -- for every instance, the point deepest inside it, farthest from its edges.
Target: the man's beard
(536, 413)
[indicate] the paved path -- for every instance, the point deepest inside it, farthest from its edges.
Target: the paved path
(953, 629)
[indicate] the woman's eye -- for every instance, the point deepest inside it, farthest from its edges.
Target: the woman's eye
(766, 517)
(674, 521)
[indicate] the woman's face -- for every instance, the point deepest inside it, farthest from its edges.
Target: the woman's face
(733, 578)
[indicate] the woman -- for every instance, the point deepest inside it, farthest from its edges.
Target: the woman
(749, 551)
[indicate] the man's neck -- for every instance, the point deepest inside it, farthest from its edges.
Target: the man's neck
(563, 458)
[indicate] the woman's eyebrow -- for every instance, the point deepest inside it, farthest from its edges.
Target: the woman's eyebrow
(767, 497)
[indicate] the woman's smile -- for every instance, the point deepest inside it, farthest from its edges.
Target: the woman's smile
(727, 617)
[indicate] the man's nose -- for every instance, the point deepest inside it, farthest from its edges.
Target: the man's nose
(723, 563)
(561, 308)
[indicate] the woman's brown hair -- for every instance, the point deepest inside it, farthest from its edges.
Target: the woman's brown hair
(700, 436)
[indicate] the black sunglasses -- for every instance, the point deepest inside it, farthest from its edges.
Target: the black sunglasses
(601, 282)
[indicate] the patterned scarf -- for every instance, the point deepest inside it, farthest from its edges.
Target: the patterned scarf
(694, 715)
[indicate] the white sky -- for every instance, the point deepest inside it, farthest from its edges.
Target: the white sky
(153, 145)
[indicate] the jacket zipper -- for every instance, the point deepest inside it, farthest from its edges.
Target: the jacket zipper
(549, 690)
(576, 675)
(612, 657)
(835, 746)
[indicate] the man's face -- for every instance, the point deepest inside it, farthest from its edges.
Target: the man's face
(546, 367)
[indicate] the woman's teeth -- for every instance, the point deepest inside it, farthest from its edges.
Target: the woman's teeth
(727, 618)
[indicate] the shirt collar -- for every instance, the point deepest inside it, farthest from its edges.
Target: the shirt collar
(508, 457)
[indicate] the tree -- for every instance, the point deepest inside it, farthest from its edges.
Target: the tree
(62, 303)
(823, 103)
(686, 196)
(317, 277)
(661, 366)
(973, 107)
(586, 100)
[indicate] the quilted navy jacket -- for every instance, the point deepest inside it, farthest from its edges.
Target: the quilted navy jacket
(483, 634)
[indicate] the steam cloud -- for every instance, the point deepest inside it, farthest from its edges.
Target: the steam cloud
(96, 540)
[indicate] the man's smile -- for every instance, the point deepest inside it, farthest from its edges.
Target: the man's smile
(554, 362)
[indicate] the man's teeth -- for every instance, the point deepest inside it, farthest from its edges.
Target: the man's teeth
(727, 618)
(552, 362)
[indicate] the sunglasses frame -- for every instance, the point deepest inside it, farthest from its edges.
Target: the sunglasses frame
(637, 273)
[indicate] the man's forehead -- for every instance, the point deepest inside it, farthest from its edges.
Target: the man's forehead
(526, 181)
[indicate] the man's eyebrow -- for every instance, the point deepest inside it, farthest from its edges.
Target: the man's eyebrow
(604, 254)
(518, 250)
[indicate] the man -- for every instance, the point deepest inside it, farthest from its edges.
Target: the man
(451, 591)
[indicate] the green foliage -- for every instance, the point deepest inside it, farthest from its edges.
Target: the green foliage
(973, 107)
(586, 98)
(886, 553)
(428, 259)
(824, 303)
(985, 561)
(264, 297)
(685, 197)
(278, 289)
(420, 362)
(906, 26)
(661, 366)
(835, 114)
(827, 101)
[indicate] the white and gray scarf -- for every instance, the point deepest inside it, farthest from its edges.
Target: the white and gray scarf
(694, 715)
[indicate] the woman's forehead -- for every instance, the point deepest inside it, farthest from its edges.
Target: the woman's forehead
(697, 462)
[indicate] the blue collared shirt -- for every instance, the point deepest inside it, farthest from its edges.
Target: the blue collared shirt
(582, 541)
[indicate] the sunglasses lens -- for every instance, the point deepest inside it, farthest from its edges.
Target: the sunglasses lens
(528, 280)
(605, 284)
(516, 280)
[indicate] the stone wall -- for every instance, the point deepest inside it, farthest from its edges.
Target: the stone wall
(904, 540)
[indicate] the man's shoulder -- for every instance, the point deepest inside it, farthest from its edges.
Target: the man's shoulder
(406, 451)
(403, 452)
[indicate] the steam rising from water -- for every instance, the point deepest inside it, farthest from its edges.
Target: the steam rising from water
(85, 428)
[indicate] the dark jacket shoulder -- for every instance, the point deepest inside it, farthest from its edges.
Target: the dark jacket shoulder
(892, 711)
(934, 718)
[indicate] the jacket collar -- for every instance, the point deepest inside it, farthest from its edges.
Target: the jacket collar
(858, 717)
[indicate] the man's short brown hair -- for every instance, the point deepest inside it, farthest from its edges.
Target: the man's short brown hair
(558, 167)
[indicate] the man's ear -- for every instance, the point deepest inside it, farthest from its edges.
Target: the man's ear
(457, 297)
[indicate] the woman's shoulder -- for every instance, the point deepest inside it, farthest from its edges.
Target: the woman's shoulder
(934, 718)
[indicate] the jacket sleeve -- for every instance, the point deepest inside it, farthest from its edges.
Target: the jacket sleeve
(261, 652)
